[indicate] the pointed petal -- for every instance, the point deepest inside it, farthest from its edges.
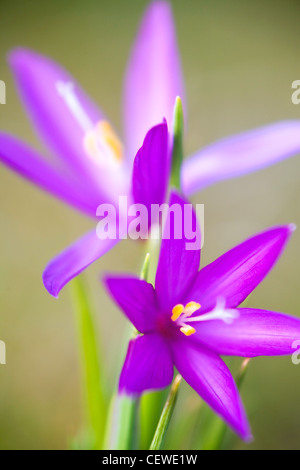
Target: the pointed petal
(152, 168)
(74, 260)
(209, 376)
(61, 125)
(238, 272)
(178, 261)
(137, 300)
(241, 154)
(153, 78)
(30, 165)
(148, 365)
(253, 333)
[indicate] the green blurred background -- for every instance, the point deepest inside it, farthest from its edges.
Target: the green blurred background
(239, 60)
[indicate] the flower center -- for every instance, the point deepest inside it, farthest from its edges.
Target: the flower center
(102, 145)
(182, 315)
(100, 142)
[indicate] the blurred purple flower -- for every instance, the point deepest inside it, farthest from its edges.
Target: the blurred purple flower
(191, 317)
(85, 164)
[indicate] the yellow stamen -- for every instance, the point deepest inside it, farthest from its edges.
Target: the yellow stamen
(187, 330)
(181, 313)
(177, 311)
(105, 130)
(191, 308)
(101, 143)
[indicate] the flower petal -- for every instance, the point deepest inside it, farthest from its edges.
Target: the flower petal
(178, 261)
(253, 333)
(241, 154)
(234, 275)
(61, 125)
(153, 78)
(137, 300)
(209, 376)
(148, 365)
(152, 168)
(74, 260)
(30, 165)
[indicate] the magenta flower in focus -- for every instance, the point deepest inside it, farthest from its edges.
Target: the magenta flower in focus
(191, 317)
(87, 164)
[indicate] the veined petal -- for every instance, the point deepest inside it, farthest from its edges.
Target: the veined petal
(234, 275)
(30, 165)
(148, 365)
(137, 300)
(60, 110)
(241, 154)
(209, 376)
(74, 260)
(253, 333)
(152, 168)
(178, 261)
(153, 78)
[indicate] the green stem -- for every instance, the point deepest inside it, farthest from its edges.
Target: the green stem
(177, 151)
(242, 372)
(145, 268)
(166, 416)
(153, 248)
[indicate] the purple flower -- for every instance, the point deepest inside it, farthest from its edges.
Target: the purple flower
(85, 163)
(191, 317)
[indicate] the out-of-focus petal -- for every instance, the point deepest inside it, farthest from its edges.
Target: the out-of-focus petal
(74, 260)
(148, 365)
(153, 78)
(241, 154)
(179, 258)
(152, 168)
(209, 376)
(253, 333)
(25, 161)
(234, 275)
(60, 110)
(137, 300)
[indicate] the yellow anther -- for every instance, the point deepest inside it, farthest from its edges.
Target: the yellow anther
(181, 314)
(191, 308)
(90, 144)
(177, 311)
(187, 330)
(101, 143)
(105, 130)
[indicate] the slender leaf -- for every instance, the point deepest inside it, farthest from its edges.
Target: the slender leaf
(166, 416)
(92, 371)
(145, 268)
(122, 423)
(177, 151)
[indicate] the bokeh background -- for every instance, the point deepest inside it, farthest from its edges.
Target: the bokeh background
(239, 61)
